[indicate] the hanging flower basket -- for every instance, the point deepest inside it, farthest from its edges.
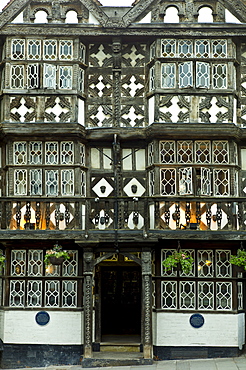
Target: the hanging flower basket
(56, 260)
(179, 261)
(56, 256)
(239, 261)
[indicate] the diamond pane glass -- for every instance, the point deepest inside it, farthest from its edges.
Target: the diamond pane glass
(202, 48)
(33, 76)
(18, 49)
(187, 295)
(185, 181)
(223, 265)
(35, 262)
(205, 185)
(223, 296)
(36, 182)
(50, 49)
(220, 76)
(17, 293)
(184, 152)
(17, 77)
(20, 153)
(34, 293)
(34, 49)
(69, 294)
(167, 152)
(35, 152)
(202, 74)
(185, 48)
(51, 180)
(66, 73)
(49, 76)
(168, 48)
(67, 152)
(205, 295)
(219, 48)
(67, 185)
(66, 49)
(169, 294)
(168, 75)
(168, 181)
(220, 152)
(221, 182)
(52, 292)
(18, 263)
(202, 152)
(205, 263)
(51, 153)
(20, 182)
(185, 74)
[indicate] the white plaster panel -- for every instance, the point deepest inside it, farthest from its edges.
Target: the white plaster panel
(241, 330)
(1, 324)
(174, 329)
(151, 102)
(63, 328)
(243, 158)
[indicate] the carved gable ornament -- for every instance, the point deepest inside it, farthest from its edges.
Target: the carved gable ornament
(187, 10)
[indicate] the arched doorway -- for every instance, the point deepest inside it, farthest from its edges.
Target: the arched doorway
(119, 292)
(120, 301)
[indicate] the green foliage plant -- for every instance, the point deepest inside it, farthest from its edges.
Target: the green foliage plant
(56, 252)
(185, 260)
(239, 259)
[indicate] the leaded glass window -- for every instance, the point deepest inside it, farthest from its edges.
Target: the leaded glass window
(52, 293)
(34, 295)
(66, 49)
(185, 151)
(151, 183)
(169, 294)
(185, 48)
(185, 181)
(220, 76)
(219, 49)
(50, 76)
(168, 75)
(51, 152)
(83, 183)
(67, 182)
(220, 152)
(20, 152)
(69, 293)
(152, 78)
(20, 182)
(50, 49)
(33, 76)
(65, 77)
(67, 152)
(82, 154)
(82, 50)
(206, 181)
(35, 152)
(168, 48)
(187, 295)
(168, 181)
(221, 182)
(51, 181)
(167, 151)
(81, 78)
(185, 74)
(202, 74)
(18, 49)
(202, 48)
(205, 295)
(34, 49)
(36, 182)
(203, 151)
(17, 77)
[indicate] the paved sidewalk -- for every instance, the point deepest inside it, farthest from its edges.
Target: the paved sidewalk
(235, 363)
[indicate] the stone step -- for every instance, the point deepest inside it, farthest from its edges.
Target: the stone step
(107, 359)
(104, 347)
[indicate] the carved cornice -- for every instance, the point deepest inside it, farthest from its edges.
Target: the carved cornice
(236, 7)
(139, 9)
(17, 6)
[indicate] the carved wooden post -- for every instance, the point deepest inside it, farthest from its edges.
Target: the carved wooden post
(88, 274)
(147, 305)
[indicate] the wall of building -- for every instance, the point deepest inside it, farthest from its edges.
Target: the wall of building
(63, 328)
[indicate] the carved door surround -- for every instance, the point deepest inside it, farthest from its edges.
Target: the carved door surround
(146, 329)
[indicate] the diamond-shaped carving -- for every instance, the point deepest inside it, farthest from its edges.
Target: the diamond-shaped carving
(102, 188)
(134, 185)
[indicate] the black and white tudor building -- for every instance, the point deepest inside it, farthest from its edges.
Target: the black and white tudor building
(123, 139)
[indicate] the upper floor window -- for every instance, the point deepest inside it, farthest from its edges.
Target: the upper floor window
(172, 48)
(36, 49)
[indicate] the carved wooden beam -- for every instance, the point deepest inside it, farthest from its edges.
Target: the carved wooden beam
(140, 9)
(236, 7)
(11, 11)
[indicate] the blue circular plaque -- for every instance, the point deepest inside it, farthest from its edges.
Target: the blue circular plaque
(42, 318)
(197, 320)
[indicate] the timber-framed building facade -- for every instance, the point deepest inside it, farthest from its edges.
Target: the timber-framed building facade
(122, 140)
